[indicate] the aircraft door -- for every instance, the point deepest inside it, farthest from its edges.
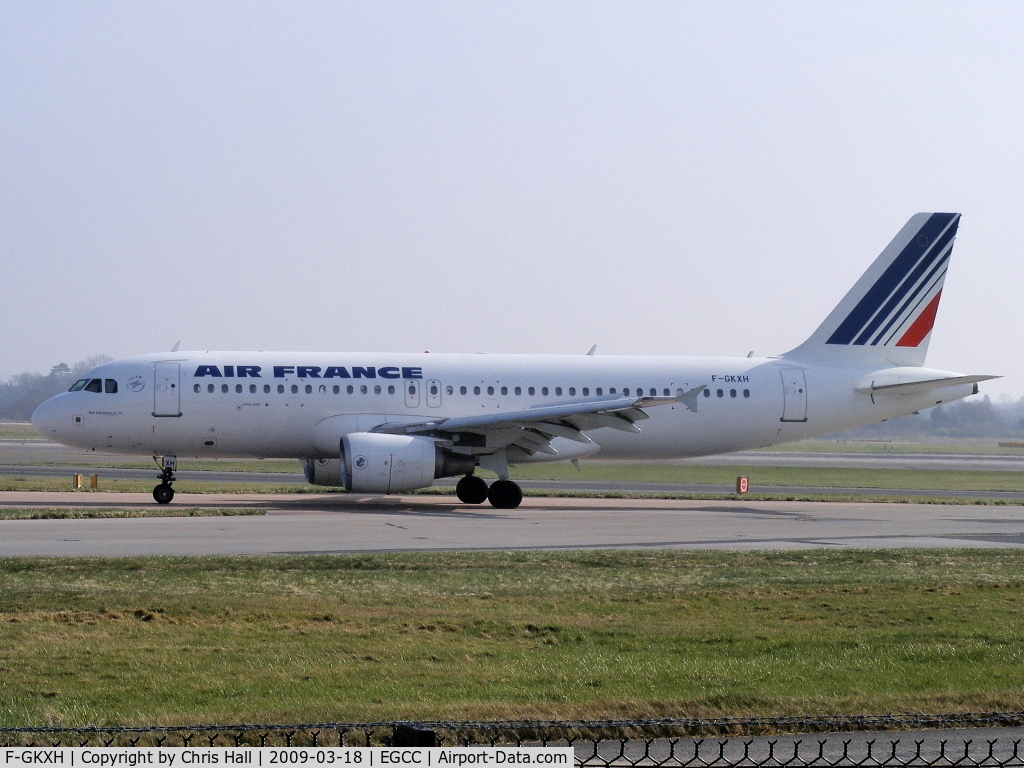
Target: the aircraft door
(412, 393)
(794, 395)
(433, 393)
(166, 389)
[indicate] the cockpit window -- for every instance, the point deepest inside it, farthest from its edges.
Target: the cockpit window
(110, 386)
(80, 384)
(94, 385)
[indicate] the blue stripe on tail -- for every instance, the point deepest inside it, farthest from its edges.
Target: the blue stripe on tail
(891, 289)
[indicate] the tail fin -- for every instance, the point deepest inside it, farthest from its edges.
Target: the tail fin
(889, 313)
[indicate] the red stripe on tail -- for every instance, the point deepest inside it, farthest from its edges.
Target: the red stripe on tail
(922, 326)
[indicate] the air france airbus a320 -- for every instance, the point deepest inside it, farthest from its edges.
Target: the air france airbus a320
(379, 424)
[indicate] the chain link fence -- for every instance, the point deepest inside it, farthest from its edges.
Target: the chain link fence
(675, 742)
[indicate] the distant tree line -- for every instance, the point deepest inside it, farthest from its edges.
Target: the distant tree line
(20, 395)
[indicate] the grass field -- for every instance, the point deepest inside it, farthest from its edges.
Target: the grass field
(763, 480)
(499, 635)
(970, 446)
(820, 477)
(17, 431)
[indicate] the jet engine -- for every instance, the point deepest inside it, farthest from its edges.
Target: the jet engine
(376, 463)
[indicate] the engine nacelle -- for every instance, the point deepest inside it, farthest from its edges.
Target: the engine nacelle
(375, 463)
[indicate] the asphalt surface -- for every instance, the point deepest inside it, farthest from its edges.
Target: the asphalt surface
(347, 523)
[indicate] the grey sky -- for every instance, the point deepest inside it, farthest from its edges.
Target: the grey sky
(679, 178)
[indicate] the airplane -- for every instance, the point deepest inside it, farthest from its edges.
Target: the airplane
(393, 423)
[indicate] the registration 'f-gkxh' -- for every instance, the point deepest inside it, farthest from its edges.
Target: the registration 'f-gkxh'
(392, 423)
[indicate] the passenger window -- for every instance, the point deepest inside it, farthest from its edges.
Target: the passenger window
(280, 389)
(95, 385)
(209, 388)
(350, 389)
(519, 390)
(78, 385)
(653, 392)
(625, 391)
(531, 391)
(611, 391)
(376, 389)
(336, 389)
(732, 393)
(412, 389)
(490, 390)
(322, 389)
(544, 391)
(598, 391)
(665, 391)
(746, 393)
(363, 390)
(558, 391)
(309, 389)
(476, 390)
(391, 389)
(252, 389)
(266, 389)
(238, 388)
(720, 393)
(586, 390)
(504, 390)
(110, 386)
(433, 389)
(707, 393)
(572, 391)
(462, 390)
(224, 388)
(295, 389)
(449, 390)
(196, 388)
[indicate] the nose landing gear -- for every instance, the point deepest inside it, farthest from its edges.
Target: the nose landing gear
(163, 493)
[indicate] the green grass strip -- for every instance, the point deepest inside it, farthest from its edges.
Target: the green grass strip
(821, 477)
(509, 635)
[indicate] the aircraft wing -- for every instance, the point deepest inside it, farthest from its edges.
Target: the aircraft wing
(532, 429)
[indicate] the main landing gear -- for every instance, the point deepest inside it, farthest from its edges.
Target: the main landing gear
(163, 493)
(503, 494)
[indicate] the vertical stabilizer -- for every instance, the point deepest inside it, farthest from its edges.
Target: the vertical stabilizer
(888, 315)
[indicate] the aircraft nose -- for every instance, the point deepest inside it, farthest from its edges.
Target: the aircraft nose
(45, 419)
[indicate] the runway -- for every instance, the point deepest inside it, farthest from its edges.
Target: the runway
(346, 523)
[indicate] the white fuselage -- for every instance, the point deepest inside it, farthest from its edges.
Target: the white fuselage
(269, 404)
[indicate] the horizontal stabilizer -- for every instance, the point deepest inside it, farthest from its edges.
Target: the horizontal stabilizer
(920, 385)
